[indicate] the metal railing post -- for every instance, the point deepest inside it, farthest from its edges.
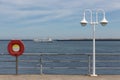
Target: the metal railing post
(41, 67)
(89, 64)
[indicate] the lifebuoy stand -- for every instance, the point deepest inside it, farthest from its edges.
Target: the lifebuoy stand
(16, 48)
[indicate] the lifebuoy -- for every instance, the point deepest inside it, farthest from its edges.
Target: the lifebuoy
(15, 47)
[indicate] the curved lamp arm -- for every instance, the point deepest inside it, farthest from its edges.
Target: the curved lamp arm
(103, 22)
(84, 21)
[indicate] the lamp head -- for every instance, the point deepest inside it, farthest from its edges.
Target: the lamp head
(104, 22)
(83, 22)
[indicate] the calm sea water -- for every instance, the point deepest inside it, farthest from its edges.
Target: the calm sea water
(76, 47)
(66, 47)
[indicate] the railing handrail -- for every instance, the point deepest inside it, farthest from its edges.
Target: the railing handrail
(103, 54)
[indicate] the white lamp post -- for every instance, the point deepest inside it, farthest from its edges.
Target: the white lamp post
(94, 23)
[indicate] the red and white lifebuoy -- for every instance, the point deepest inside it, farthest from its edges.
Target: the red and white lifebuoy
(15, 47)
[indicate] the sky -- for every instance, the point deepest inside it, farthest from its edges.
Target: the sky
(58, 19)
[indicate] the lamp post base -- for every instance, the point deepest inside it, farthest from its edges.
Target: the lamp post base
(93, 75)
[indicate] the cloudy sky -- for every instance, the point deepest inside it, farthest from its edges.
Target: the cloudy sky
(59, 19)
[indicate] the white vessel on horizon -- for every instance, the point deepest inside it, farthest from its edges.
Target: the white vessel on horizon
(43, 40)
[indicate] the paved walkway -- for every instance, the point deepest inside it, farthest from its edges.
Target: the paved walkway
(58, 77)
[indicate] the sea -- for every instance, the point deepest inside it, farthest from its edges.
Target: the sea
(63, 47)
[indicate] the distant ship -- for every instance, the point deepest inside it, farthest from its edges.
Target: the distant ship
(43, 40)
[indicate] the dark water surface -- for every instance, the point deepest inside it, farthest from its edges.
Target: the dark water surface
(66, 47)
(63, 47)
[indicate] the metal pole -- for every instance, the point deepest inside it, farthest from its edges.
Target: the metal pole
(94, 69)
(89, 64)
(41, 67)
(16, 65)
